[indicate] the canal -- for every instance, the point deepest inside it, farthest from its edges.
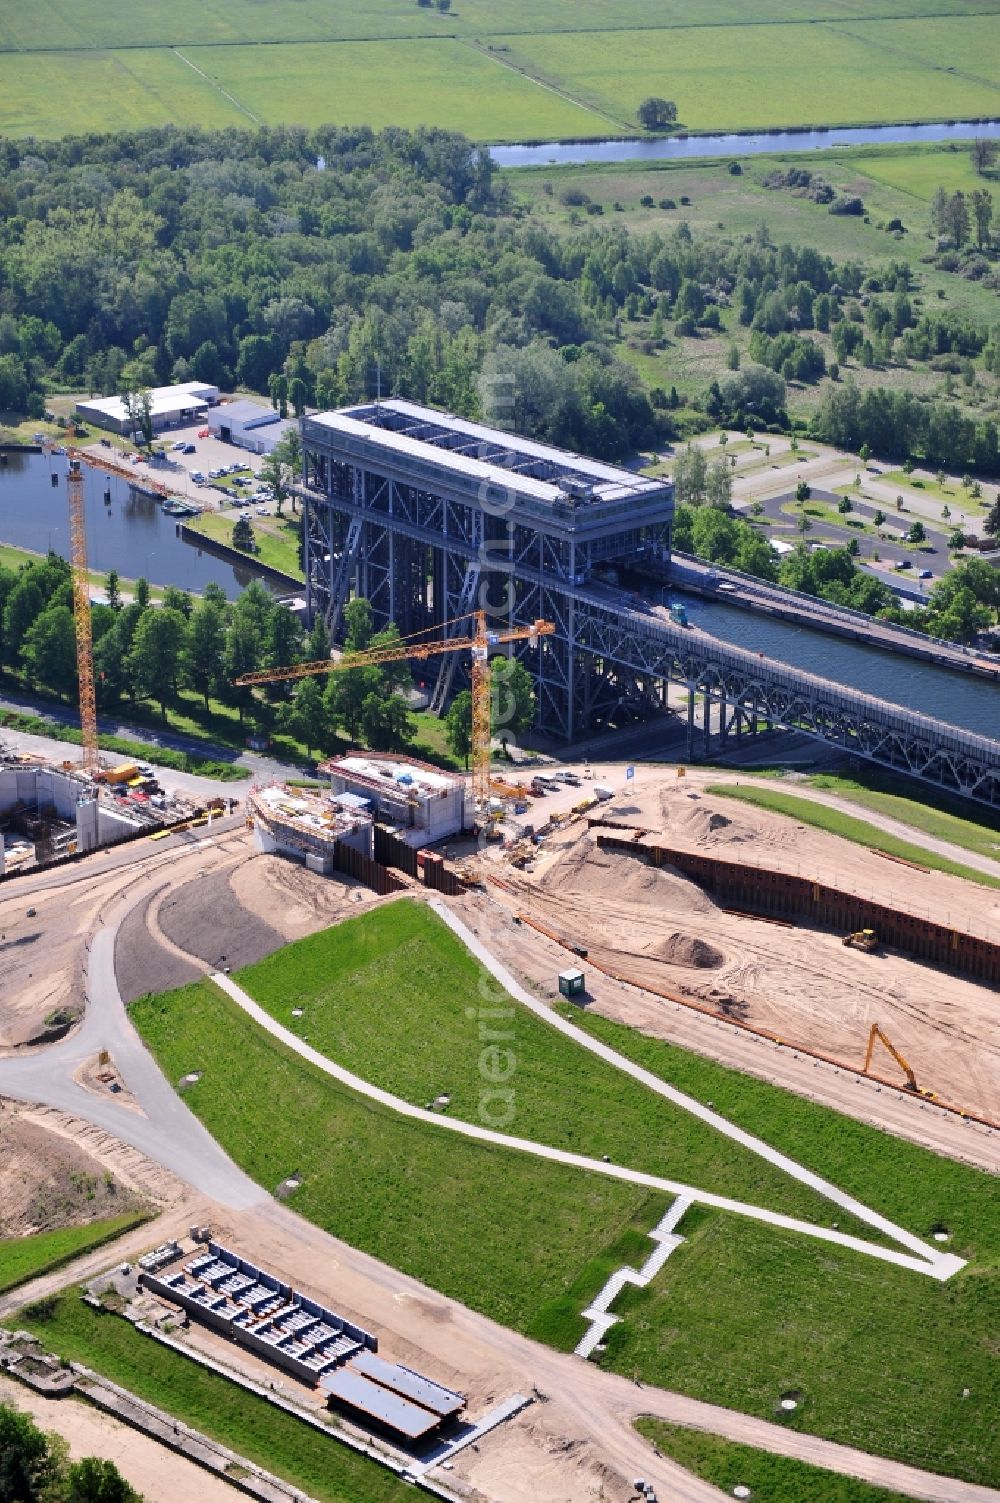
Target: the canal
(682, 148)
(131, 534)
(959, 699)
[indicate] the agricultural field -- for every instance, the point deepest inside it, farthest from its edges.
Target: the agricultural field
(250, 1426)
(499, 72)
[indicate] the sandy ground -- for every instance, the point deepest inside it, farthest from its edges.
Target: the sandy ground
(657, 928)
(49, 1182)
(159, 1475)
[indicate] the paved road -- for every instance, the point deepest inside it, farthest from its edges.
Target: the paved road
(599, 1404)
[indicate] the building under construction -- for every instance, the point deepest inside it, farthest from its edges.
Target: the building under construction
(308, 828)
(422, 803)
(49, 813)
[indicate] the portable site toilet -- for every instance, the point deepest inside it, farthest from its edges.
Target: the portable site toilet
(571, 983)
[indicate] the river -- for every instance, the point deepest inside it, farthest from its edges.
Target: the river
(131, 534)
(682, 148)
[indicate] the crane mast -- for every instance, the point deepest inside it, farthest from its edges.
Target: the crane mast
(478, 644)
(81, 616)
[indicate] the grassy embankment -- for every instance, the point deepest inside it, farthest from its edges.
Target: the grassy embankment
(859, 832)
(276, 538)
(778, 1479)
(24, 1258)
(250, 1426)
(864, 1343)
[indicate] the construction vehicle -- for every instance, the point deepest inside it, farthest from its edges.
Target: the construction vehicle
(479, 645)
(904, 1065)
(862, 939)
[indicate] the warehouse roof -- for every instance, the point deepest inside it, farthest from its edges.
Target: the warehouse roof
(247, 414)
(379, 1403)
(162, 400)
(408, 1384)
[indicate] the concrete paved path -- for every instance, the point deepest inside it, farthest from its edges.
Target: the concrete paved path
(927, 1260)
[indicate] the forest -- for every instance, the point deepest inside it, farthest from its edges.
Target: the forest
(334, 259)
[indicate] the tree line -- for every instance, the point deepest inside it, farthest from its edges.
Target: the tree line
(35, 1468)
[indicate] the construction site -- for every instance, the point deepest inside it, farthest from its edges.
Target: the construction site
(685, 902)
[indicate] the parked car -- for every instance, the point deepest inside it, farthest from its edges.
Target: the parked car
(178, 448)
(188, 449)
(926, 574)
(197, 477)
(904, 563)
(262, 511)
(204, 432)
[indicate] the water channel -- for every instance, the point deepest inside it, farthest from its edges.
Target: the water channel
(682, 148)
(131, 534)
(972, 703)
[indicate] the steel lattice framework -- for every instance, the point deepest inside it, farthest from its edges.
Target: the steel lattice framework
(430, 517)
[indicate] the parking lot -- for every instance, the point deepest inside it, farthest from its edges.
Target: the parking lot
(177, 469)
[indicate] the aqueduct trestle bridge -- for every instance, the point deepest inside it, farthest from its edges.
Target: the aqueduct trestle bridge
(430, 516)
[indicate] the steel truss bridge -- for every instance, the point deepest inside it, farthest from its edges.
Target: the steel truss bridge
(430, 517)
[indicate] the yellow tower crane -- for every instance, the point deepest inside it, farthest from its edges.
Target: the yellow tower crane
(478, 645)
(81, 615)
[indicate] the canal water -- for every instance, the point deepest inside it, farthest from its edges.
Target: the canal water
(131, 534)
(959, 699)
(680, 148)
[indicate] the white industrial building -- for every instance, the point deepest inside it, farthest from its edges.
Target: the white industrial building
(422, 803)
(169, 407)
(65, 808)
(248, 425)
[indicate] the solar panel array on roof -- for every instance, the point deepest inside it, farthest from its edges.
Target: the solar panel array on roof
(408, 1384)
(379, 1403)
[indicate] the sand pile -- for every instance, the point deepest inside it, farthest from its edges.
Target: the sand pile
(587, 870)
(687, 949)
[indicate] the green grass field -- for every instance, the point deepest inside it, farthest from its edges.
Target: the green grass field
(881, 1355)
(343, 979)
(778, 1479)
(498, 71)
(250, 1426)
(969, 834)
(848, 828)
(500, 1231)
(24, 1258)
(276, 538)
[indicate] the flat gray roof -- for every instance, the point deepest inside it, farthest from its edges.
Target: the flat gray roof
(380, 1403)
(408, 1384)
(488, 455)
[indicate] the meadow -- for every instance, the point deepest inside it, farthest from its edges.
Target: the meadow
(502, 71)
(342, 979)
(529, 1243)
(24, 1258)
(250, 1426)
(779, 1479)
(879, 1359)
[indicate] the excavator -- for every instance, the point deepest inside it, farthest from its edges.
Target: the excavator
(907, 1069)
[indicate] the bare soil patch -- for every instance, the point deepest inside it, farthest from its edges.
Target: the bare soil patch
(653, 926)
(48, 1182)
